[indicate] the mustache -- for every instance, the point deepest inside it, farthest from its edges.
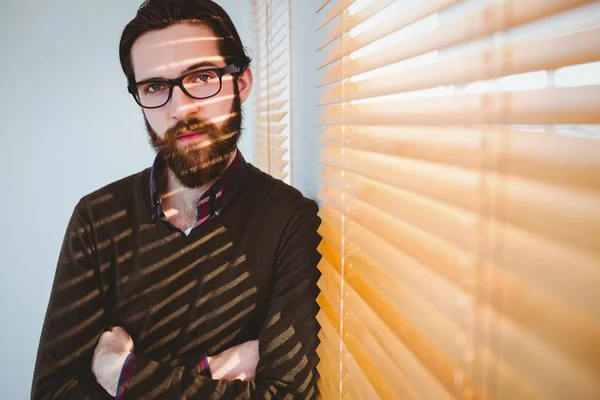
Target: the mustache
(192, 124)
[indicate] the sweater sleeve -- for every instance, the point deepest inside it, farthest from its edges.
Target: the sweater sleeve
(74, 320)
(287, 340)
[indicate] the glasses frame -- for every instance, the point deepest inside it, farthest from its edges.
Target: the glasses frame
(229, 69)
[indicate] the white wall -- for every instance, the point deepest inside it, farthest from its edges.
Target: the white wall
(305, 95)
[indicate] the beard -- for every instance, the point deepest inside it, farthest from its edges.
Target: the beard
(204, 162)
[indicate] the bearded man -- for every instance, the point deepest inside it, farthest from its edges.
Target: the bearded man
(196, 277)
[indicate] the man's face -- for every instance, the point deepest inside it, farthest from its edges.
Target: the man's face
(194, 137)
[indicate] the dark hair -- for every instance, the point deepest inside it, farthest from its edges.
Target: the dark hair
(156, 15)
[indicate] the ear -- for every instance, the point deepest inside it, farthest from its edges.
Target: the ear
(245, 81)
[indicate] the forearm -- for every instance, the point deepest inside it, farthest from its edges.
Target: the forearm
(74, 320)
(65, 374)
(66, 386)
(287, 341)
(163, 381)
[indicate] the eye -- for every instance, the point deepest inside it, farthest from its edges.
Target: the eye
(155, 87)
(203, 78)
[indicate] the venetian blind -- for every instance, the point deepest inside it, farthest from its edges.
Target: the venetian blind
(461, 199)
(272, 78)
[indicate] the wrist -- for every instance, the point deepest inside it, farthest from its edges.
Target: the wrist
(212, 362)
(109, 373)
(204, 366)
(126, 376)
(215, 366)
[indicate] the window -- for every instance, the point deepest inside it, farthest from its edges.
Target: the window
(461, 199)
(272, 74)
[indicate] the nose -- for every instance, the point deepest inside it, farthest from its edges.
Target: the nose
(181, 106)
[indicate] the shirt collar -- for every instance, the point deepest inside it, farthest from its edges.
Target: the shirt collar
(214, 199)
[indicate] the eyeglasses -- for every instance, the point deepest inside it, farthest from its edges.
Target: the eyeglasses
(199, 84)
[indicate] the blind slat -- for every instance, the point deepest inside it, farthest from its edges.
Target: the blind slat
(275, 131)
(275, 163)
(323, 4)
(393, 23)
(467, 27)
(276, 116)
(330, 249)
(572, 105)
(579, 47)
(273, 82)
(334, 11)
(331, 317)
(273, 138)
(275, 105)
(570, 161)
(356, 19)
(524, 255)
(361, 318)
(330, 284)
(356, 385)
(328, 377)
(461, 210)
(532, 205)
(557, 325)
(271, 96)
(435, 326)
(521, 349)
(384, 375)
(274, 150)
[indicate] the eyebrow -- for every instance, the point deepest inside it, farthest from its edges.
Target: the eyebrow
(190, 68)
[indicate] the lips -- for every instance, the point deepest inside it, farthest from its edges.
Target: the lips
(190, 135)
(186, 134)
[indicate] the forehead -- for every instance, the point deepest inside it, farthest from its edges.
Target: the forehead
(166, 53)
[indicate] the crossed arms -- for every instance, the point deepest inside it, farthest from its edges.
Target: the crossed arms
(75, 322)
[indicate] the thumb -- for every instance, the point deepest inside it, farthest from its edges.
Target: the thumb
(119, 330)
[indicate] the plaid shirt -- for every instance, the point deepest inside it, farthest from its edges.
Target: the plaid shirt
(212, 202)
(209, 205)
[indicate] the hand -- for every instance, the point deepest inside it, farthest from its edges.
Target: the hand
(237, 362)
(109, 356)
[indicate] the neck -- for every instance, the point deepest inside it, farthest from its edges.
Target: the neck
(175, 192)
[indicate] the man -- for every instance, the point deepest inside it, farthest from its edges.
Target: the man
(195, 278)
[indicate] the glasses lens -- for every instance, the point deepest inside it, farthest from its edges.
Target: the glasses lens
(153, 94)
(202, 84)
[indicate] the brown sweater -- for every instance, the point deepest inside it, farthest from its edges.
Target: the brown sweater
(248, 273)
